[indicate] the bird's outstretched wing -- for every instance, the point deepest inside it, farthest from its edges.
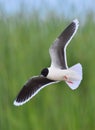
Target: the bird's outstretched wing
(31, 88)
(58, 48)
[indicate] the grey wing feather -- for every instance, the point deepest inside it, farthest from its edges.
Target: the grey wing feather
(31, 88)
(58, 48)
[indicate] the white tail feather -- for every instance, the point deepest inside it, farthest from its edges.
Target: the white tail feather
(75, 76)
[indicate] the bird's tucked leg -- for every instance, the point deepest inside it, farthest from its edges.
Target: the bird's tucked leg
(65, 78)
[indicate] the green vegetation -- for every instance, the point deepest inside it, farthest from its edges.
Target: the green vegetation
(56, 107)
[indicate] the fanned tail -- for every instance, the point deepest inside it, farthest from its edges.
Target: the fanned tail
(76, 77)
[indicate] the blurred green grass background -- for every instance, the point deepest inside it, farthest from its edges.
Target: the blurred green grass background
(24, 48)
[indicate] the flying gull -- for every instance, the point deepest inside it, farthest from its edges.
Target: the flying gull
(58, 71)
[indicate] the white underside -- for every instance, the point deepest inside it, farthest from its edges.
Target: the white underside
(73, 75)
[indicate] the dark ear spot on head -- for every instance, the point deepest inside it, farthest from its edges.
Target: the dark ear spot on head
(44, 72)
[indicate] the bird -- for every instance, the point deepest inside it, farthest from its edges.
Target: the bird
(58, 70)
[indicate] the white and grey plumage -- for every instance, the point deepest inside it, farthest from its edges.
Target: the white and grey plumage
(58, 71)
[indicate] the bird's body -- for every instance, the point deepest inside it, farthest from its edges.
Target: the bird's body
(58, 70)
(61, 74)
